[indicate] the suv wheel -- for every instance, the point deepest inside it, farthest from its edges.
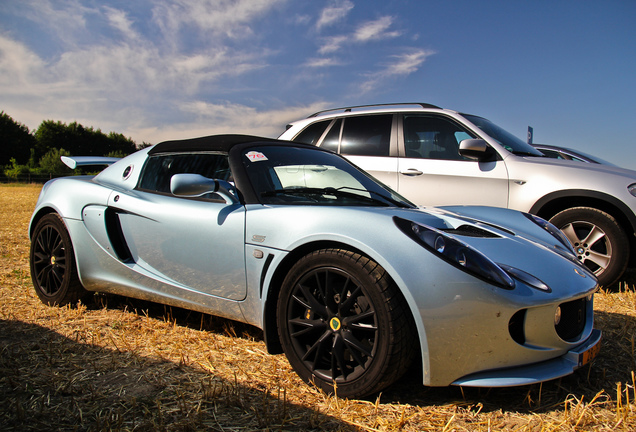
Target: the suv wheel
(599, 242)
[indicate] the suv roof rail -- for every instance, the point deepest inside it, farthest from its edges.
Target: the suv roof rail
(348, 109)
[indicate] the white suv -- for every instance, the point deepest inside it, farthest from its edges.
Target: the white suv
(436, 156)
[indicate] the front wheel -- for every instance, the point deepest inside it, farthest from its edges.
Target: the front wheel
(343, 323)
(52, 262)
(599, 241)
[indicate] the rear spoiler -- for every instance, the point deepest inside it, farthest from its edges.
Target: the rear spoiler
(75, 161)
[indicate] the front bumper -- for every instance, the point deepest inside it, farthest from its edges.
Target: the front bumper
(537, 372)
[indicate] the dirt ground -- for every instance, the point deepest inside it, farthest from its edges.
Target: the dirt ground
(126, 365)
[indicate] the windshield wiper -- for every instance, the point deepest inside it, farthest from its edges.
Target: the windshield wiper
(337, 192)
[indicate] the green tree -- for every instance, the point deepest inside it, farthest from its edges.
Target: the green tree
(51, 162)
(14, 169)
(15, 141)
(80, 140)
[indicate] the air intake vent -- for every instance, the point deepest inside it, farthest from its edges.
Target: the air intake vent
(573, 317)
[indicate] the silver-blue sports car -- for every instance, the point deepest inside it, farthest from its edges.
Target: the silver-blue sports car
(347, 278)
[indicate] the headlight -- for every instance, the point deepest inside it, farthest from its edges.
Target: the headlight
(632, 189)
(556, 233)
(456, 253)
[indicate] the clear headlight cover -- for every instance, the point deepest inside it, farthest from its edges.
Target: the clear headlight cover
(456, 253)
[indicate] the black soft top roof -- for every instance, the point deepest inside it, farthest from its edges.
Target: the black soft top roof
(221, 143)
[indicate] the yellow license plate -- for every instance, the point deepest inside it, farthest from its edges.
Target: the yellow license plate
(588, 355)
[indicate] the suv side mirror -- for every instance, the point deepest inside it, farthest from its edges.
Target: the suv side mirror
(195, 185)
(475, 149)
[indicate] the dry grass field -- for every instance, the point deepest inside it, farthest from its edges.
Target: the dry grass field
(127, 365)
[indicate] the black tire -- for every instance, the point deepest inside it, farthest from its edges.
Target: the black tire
(599, 241)
(343, 324)
(52, 261)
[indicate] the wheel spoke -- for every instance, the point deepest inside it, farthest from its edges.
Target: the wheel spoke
(570, 233)
(356, 346)
(338, 361)
(318, 349)
(306, 326)
(601, 260)
(355, 321)
(351, 299)
(311, 302)
(595, 235)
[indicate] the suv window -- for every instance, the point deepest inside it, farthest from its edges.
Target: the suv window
(431, 137)
(367, 135)
(332, 139)
(311, 135)
(159, 169)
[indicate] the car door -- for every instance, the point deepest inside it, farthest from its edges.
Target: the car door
(432, 172)
(195, 243)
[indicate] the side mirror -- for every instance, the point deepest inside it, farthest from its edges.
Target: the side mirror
(475, 149)
(195, 185)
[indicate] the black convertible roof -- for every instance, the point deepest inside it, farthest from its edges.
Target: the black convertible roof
(222, 143)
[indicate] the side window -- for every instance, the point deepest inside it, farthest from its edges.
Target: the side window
(159, 169)
(367, 135)
(333, 137)
(430, 137)
(312, 133)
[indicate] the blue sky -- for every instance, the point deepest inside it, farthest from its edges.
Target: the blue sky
(155, 70)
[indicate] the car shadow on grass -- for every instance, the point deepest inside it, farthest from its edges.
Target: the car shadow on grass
(613, 365)
(50, 382)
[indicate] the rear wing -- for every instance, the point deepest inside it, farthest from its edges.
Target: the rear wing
(76, 161)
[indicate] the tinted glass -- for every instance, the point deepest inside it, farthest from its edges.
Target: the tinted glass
(332, 139)
(312, 133)
(367, 135)
(430, 137)
(159, 169)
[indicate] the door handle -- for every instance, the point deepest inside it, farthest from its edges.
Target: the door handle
(411, 172)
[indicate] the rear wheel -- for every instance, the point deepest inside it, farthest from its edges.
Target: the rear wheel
(52, 262)
(343, 324)
(599, 242)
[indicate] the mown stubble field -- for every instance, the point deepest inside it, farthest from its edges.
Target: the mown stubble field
(122, 364)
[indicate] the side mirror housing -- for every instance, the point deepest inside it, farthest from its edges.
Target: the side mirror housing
(475, 149)
(195, 185)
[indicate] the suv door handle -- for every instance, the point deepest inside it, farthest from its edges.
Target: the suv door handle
(411, 172)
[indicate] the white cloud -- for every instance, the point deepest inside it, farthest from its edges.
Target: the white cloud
(322, 62)
(375, 30)
(229, 117)
(119, 20)
(366, 32)
(336, 12)
(333, 44)
(227, 17)
(402, 65)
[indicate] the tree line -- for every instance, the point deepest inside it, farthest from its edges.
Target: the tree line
(23, 152)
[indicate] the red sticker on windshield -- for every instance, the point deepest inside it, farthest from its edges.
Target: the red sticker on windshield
(255, 156)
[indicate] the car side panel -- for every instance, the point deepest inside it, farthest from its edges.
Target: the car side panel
(195, 243)
(445, 182)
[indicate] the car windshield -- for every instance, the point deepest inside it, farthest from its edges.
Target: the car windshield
(506, 139)
(304, 176)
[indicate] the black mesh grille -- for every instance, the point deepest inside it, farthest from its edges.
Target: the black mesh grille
(573, 317)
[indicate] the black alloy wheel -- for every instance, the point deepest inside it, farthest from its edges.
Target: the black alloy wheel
(52, 262)
(343, 324)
